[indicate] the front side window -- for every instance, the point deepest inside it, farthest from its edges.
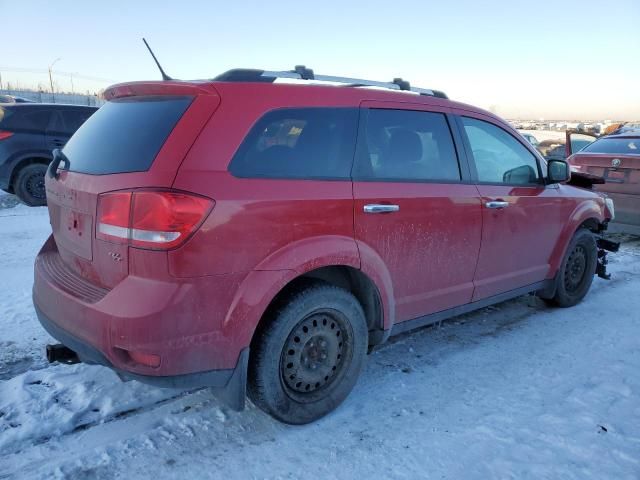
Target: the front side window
(498, 156)
(305, 143)
(406, 145)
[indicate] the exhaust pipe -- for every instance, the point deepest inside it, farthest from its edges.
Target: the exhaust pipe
(62, 354)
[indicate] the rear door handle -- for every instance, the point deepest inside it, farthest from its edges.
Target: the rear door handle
(496, 204)
(380, 208)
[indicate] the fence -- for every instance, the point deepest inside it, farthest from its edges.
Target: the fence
(47, 97)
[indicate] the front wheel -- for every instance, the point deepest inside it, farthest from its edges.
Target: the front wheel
(576, 272)
(307, 359)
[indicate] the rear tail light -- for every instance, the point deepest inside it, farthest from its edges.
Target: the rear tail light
(153, 219)
(4, 135)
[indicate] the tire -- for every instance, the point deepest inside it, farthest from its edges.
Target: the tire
(29, 184)
(307, 359)
(576, 271)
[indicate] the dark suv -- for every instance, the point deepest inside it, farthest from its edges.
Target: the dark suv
(28, 134)
(244, 233)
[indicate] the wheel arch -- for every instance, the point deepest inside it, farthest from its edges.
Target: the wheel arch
(589, 215)
(343, 276)
(23, 161)
(334, 260)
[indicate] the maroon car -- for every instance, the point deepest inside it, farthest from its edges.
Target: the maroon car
(247, 234)
(615, 158)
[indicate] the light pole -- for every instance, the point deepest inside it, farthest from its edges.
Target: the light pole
(53, 96)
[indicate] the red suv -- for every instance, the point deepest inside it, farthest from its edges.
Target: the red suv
(259, 236)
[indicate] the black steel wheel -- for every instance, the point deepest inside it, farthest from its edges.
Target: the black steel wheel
(29, 184)
(575, 269)
(576, 272)
(314, 353)
(307, 357)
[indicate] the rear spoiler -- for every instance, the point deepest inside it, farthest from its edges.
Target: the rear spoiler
(132, 89)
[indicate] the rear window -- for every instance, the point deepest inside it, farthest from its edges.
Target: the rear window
(629, 146)
(69, 120)
(24, 118)
(73, 119)
(124, 135)
(299, 143)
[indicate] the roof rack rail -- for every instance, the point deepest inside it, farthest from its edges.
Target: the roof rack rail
(300, 72)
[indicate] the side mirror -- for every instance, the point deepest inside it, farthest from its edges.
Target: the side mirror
(559, 171)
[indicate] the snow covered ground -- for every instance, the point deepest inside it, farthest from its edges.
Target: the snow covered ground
(542, 135)
(513, 391)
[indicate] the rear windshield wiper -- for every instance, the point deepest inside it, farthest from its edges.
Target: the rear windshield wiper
(58, 156)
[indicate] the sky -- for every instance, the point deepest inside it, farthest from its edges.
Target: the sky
(562, 59)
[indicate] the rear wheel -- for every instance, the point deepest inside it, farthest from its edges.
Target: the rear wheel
(29, 184)
(576, 272)
(308, 358)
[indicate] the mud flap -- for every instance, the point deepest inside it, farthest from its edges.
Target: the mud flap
(234, 393)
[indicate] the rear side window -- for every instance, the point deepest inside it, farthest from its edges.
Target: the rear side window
(406, 145)
(73, 119)
(124, 135)
(629, 146)
(67, 121)
(498, 156)
(314, 143)
(33, 119)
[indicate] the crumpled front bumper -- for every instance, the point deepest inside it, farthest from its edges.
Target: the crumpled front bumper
(604, 246)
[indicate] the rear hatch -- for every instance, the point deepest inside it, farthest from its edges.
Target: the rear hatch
(620, 172)
(137, 140)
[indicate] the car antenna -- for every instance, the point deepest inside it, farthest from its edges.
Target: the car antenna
(164, 75)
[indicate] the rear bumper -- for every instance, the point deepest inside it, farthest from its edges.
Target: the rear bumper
(91, 355)
(624, 228)
(231, 383)
(627, 210)
(181, 321)
(5, 175)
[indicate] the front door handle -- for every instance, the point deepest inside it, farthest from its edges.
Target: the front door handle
(380, 208)
(496, 204)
